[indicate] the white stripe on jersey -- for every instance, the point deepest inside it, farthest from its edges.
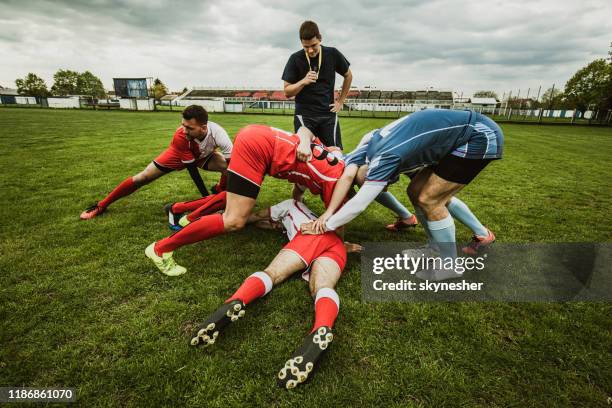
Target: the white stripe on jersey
(419, 135)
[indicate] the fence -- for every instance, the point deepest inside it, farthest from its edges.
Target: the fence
(351, 108)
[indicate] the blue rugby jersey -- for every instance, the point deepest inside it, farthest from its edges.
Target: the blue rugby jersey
(425, 137)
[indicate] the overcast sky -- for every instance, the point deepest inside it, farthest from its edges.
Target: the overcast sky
(445, 44)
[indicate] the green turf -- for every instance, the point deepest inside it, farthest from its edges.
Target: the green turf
(81, 306)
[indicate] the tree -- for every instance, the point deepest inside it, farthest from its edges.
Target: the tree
(552, 98)
(159, 89)
(90, 85)
(591, 85)
(32, 85)
(65, 82)
(485, 94)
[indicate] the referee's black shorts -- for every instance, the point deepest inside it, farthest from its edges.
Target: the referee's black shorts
(326, 128)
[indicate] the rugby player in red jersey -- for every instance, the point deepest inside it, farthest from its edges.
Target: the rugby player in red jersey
(193, 146)
(258, 150)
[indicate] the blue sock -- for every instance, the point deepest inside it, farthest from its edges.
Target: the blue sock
(443, 233)
(388, 200)
(464, 215)
(423, 221)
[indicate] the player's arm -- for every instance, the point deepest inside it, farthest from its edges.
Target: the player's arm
(194, 172)
(224, 143)
(355, 205)
(346, 87)
(261, 215)
(298, 192)
(343, 185)
(304, 152)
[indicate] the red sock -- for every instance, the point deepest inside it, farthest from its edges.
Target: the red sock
(126, 187)
(214, 203)
(204, 228)
(327, 305)
(254, 287)
(222, 184)
(188, 206)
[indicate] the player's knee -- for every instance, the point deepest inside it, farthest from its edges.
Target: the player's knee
(233, 223)
(141, 179)
(413, 194)
(427, 202)
(275, 275)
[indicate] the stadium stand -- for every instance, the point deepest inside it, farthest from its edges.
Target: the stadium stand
(260, 95)
(278, 96)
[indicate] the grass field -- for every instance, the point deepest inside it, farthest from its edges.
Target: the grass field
(82, 307)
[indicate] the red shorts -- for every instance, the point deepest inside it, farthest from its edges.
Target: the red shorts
(171, 159)
(252, 153)
(313, 247)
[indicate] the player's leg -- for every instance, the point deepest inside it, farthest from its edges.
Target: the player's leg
(257, 285)
(405, 219)
(482, 235)
(416, 185)
(436, 189)
(236, 214)
(324, 275)
(126, 187)
(432, 197)
(217, 162)
(252, 155)
(196, 209)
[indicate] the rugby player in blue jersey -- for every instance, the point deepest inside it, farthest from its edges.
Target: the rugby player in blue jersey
(450, 147)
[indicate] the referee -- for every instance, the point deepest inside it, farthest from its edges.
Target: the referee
(310, 75)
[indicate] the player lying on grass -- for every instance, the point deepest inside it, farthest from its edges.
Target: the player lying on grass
(258, 150)
(321, 257)
(405, 219)
(194, 145)
(456, 145)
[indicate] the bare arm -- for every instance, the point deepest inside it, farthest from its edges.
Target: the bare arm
(304, 152)
(261, 215)
(346, 87)
(343, 185)
(298, 192)
(294, 89)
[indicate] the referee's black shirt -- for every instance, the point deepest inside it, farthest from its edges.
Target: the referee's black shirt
(314, 99)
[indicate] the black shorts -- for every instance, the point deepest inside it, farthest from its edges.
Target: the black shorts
(326, 128)
(458, 169)
(239, 185)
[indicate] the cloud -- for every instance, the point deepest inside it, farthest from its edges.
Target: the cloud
(394, 44)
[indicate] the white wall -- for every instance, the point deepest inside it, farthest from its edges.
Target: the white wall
(126, 103)
(64, 103)
(144, 104)
(25, 100)
(211, 105)
(233, 107)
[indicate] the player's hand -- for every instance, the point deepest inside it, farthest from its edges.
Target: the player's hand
(310, 78)
(304, 153)
(307, 229)
(352, 248)
(336, 106)
(319, 223)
